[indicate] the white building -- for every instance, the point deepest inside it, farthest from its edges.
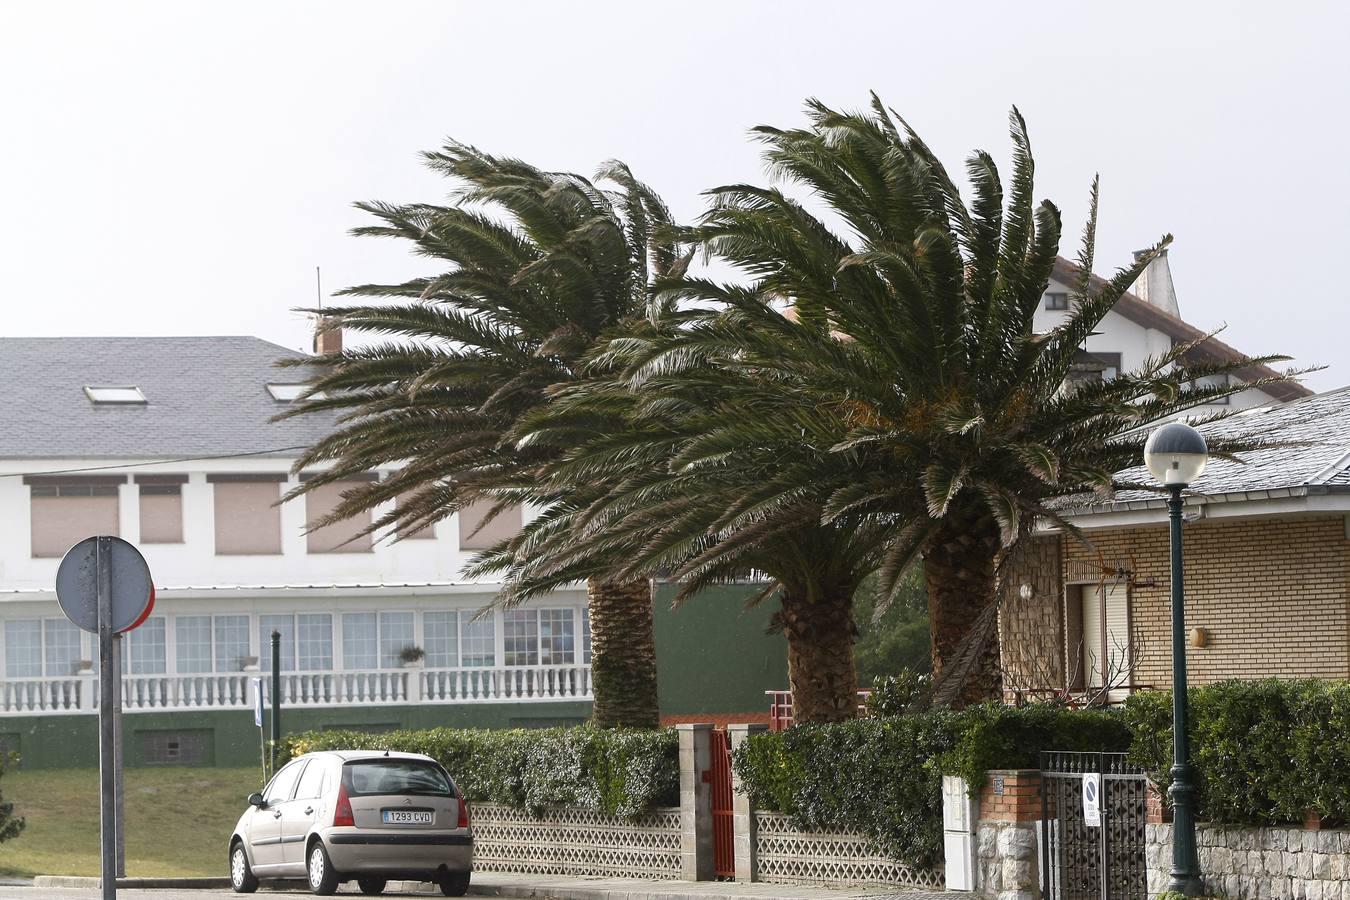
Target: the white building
(168, 443)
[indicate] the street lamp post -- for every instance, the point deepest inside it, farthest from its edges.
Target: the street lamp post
(1176, 455)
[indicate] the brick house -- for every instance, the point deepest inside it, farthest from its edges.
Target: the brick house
(1267, 570)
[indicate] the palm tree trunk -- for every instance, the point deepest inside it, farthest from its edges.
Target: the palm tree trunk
(820, 657)
(623, 654)
(958, 568)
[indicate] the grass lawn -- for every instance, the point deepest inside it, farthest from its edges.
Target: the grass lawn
(178, 820)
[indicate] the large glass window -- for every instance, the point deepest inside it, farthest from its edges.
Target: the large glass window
(192, 643)
(143, 649)
(586, 635)
(478, 640)
(557, 637)
(440, 639)
(314, 642)
(232, 643)
(23, 648)
(371, 641)
(286, 626)
(520, 637)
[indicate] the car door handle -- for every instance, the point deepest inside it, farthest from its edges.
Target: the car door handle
(277, 814)
(309, 810)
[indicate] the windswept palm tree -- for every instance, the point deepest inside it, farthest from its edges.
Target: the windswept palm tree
(531, 267)
(914, 408)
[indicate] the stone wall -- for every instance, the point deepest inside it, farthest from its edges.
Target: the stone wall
(1030, 629)
(1273, 862)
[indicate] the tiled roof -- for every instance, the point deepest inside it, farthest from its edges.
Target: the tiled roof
(1314, 455)
(205, 396)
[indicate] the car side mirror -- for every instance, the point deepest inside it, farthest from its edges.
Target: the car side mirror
(256, 799)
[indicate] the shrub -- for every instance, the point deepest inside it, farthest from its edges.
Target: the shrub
(894, 695)
(1263, 751)
(883, 777)
(618, 771)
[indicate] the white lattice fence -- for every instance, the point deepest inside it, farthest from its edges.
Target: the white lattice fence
(787, 855)
(567, 841)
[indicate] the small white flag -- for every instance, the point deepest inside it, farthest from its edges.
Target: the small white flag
(257, 702)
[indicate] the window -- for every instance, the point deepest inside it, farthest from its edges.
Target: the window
(107, 394)
(360, 643)
(174, 747)
(247, 518)
(23, 648)
(1099, 638)
(440, 639)
(371, 641)
(192, 644)
(478, 641)
(60, 646)
(1057, 300)
(557, 639)
(520, 633)
(586, 635)
(65, 511)
(1213, 381)
(286, 626)
(231, 640)
(287, 393)
(539, 637)
(474, 534)
(343, 536)
(161, 508)
(396, 776)
(308, 788)
(314, 642)
(281, 785)
(143, 649)
(426, 532)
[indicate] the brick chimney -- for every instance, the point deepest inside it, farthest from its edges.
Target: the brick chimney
(1154, 285)
(327, 335)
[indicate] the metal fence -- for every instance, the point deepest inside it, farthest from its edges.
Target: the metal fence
(1085, 862)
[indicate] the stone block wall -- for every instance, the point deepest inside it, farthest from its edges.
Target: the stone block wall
(1279, 863)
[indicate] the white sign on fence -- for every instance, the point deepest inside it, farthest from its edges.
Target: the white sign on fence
(1092, 792)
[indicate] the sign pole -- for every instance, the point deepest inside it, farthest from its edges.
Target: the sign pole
(276, 695)
(107, 737)
(118, 649)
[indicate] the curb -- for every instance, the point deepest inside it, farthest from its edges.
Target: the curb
(91, 883)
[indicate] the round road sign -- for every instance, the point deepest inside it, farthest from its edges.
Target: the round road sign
(77, 585)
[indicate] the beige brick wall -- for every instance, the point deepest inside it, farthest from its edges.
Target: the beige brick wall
(1272, 594)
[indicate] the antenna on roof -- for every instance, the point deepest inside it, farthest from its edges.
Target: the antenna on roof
(318, 287)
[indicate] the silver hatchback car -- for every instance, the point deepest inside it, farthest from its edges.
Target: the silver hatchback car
(335, 816)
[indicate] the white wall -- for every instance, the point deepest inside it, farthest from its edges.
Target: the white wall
(195, 563)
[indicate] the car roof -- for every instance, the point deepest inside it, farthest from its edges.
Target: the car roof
(349, 755)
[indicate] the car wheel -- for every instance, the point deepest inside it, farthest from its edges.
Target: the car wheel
(242, 878)
(456, 884)
(371, 885)
(323, 878)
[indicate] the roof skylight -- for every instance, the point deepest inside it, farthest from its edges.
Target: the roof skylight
(288, 393)
(111, 394)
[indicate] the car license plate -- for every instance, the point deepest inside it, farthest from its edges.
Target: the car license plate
(407, 817)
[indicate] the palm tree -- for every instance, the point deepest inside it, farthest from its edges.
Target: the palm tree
(533, 267)
(906, 401)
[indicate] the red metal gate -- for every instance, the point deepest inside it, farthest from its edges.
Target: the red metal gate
(724, 845)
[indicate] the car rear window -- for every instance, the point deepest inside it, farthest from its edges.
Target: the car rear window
(397, 776)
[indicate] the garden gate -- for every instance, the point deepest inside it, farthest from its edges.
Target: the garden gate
(1082, 862)
(724, 826)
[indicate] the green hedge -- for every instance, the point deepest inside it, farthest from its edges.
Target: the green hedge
(1264, 751)
(618, 771)
(883, 777)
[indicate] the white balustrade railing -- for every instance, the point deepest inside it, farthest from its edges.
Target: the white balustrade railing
(232, 690)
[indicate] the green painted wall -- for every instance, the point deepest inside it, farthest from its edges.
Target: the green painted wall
(713, 655)
(58, 742)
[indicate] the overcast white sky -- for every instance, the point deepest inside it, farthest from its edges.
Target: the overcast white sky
(181, 168)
